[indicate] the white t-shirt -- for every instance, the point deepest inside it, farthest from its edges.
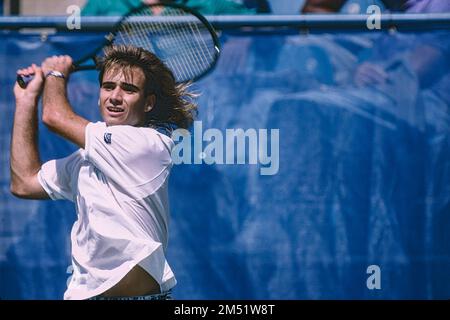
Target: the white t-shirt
(119, 184)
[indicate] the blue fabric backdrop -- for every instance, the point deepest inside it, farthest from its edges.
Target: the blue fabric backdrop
(364, 172)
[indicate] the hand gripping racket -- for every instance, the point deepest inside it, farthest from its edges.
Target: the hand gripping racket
(181, 37)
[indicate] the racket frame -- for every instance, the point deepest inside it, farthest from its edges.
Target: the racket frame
(110, 37)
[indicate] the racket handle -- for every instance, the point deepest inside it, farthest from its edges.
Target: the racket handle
(24, 80)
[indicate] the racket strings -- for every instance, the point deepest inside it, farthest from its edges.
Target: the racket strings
(179, 39)
(168, 45)
(137, 35)
(185, 32)
(189, 49)
(188, 54)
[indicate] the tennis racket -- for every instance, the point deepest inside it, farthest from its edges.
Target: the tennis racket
(180, 36)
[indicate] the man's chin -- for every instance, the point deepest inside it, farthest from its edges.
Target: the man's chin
(113, 122)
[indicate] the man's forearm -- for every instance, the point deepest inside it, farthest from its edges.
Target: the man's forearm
(25, 161)
(55, 105)
(58, 114)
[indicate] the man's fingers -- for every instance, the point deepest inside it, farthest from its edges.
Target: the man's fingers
(59, 59)
(37, 76)
(24, 71)
(28, 70)
(36, 68)
(58, 63)
(370, 74)
(375, 70)
(68, 59)
(376, 76)
(379, 73)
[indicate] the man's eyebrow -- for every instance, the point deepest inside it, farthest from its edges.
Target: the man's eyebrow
(129, 86)
(108, 82)
(122, 84)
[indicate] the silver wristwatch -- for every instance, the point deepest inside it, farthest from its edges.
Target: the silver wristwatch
(55, 74)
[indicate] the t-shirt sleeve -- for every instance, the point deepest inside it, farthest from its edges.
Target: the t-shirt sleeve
(130, 156)
(58, 177)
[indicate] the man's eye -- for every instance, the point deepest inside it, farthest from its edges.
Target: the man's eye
(129, 90)
(108, 87)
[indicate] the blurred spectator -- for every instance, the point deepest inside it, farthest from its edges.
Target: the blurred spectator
(410, 6)
(261, 6)
(422, 57)
(212, 7)
(283, 7)
(331, 6)
(322, 6)
(206, 7)
(391, 78)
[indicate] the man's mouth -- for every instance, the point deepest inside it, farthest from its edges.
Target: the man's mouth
(115, 110)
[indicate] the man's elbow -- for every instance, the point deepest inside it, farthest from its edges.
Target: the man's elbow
(19, 191)
(50, 120)
(28, 188)
(47, 119)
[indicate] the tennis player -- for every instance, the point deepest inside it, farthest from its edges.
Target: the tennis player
(118, 179)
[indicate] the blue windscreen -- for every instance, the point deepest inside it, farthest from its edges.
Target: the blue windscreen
(357, 171)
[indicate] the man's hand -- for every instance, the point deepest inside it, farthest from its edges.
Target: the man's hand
(62, 64)
(370, 74)
(31, 93)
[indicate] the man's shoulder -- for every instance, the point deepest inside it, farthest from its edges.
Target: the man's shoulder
(135, 138)
(146, 139)
(158, 137)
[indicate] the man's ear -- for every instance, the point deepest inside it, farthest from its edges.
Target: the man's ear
(150, 103)
(98, 102)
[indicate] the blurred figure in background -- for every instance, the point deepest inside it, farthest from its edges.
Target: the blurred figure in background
(261, 6)
(409, 6)
(322, 6)
(423, 58)
(205, 7)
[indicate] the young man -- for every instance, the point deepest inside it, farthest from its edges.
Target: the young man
(118, 179)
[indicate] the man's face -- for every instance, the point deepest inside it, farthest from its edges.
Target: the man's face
(122, 99)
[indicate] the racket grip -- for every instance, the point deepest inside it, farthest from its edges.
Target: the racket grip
(24, 80)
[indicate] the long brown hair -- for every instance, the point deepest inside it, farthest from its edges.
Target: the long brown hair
(174, 105)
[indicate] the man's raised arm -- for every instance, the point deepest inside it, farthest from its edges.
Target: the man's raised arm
(25, 162)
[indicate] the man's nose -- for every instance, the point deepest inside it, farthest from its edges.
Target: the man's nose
(116, 96)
